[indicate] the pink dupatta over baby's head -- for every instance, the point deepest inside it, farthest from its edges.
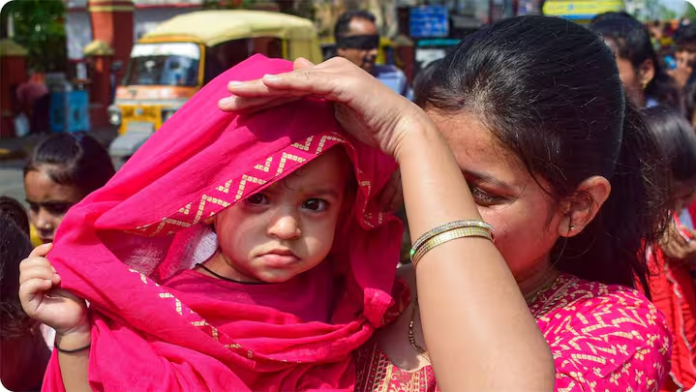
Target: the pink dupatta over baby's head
(146, 225)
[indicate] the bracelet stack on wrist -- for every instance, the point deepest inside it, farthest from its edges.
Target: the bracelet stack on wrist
(448, 232)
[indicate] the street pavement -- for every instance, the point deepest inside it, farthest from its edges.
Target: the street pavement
(12, 180)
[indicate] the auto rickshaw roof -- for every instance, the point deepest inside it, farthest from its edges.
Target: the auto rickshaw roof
(213, 27)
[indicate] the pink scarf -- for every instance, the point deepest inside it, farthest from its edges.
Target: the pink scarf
(145, 226)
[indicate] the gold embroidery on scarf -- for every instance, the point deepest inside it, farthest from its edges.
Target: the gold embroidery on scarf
(242, 185)
(176, 301)
(286, 157)
(306, 145)
(265, 167)
(320, 147)
(225, 188)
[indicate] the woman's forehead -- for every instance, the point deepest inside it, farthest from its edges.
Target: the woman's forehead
(477, 150)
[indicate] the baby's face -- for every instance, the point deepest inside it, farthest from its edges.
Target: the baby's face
(289, 228)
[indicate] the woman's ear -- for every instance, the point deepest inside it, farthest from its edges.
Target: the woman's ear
(210, 220)
(583, 205)
(646, 72)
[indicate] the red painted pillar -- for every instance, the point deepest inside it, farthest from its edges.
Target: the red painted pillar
(112, 25)
(107, 17)
(13, 72)
(100, 58)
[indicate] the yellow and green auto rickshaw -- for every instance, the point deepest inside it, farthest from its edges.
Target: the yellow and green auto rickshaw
(581, 11)
(172, 62)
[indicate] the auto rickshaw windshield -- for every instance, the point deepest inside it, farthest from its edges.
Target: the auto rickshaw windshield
(164, 64)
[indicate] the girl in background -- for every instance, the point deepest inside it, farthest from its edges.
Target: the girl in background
(671, 283)
(61, 171)
(644, 79)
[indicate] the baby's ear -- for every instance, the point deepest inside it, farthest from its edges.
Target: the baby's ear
(210, 220)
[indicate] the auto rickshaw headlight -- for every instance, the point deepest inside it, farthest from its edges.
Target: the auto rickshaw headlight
(115, 116)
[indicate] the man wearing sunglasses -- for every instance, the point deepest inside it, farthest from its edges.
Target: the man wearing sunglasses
(357, 39)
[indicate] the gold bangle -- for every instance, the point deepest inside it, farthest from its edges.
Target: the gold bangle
(447, 236)
(447, 227)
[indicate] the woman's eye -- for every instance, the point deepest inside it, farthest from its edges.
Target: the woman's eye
(34, 207)
(483, 198)
(316, 205)
(257, 199)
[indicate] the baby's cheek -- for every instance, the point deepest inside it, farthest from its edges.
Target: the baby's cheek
(320, 243)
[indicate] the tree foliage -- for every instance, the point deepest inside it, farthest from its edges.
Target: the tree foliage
(39, 27)
(689, 12)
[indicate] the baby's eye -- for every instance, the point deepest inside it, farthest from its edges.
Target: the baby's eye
(257, 199)
(316, 205)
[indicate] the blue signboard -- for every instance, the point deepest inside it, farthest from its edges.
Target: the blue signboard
(429, 22)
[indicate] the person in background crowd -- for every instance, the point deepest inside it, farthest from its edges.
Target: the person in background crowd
(357, 39)
(61, 171)
(34, 101)
(671, 284)
(24, 352)
(643, 77)
(685, 41)
(562, 167)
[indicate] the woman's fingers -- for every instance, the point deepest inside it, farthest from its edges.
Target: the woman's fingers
(302, 62)
(252, 105)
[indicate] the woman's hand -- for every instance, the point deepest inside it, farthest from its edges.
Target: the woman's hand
(365, 107)
(677, 248)
(44, 300)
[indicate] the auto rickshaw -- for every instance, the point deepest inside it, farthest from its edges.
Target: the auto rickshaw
(172, 62)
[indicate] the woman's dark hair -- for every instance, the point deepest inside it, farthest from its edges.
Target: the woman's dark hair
(677, 142)
(73, 160)
(550, 92)
(633, 43)
(685, 38)
(15, 210)
(690, 101)
(422, 80)
(14, 246)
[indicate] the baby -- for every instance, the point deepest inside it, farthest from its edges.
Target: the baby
(294, 275)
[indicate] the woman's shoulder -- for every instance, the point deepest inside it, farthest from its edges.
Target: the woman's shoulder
(581, 298)
(601, 335)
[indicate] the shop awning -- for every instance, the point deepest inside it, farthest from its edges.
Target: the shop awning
(581, 9)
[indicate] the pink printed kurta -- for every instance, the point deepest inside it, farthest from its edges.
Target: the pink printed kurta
(603, 338)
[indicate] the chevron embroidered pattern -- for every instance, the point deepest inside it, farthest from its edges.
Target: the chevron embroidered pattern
(228, 192)
(603, 338)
